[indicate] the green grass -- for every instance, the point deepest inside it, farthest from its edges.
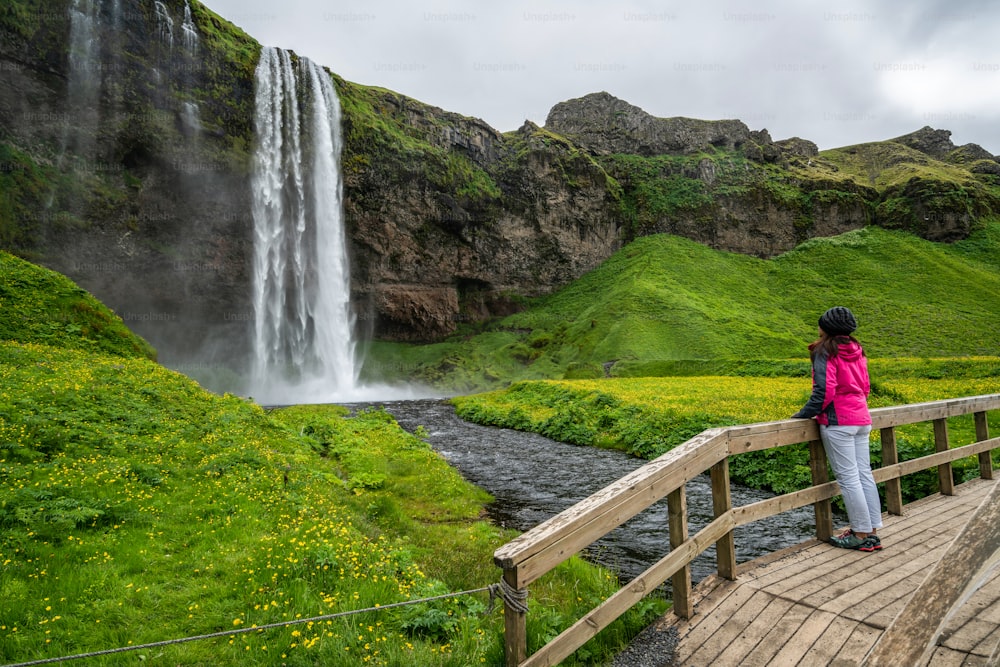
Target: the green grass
(664, 303)
(42, 306)
(647, 417)
(885, 164)
(137, 507)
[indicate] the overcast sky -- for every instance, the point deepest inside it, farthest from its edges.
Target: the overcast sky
(834, 73)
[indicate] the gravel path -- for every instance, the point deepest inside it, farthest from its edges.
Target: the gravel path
(651, 648)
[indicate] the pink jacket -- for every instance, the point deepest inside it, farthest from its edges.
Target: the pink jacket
(840, 388)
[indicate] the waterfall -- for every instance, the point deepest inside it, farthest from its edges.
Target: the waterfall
(188, 30)
(164, 23)
(84, 81)
(303, 343)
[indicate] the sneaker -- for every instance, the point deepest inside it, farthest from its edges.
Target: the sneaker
(872, 543)
(849, 541)
(876, 543)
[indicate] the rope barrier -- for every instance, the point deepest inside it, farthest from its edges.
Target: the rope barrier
(516, 599)
(503, 590)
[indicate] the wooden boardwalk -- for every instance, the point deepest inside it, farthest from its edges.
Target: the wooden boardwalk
(815, 604)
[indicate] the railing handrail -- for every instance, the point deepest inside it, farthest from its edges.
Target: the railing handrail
(555, 540)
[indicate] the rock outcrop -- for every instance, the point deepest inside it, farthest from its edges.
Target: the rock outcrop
(602, 123)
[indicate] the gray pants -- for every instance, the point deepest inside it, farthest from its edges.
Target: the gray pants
(848, 450)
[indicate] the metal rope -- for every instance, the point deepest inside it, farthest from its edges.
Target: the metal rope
(492, 588)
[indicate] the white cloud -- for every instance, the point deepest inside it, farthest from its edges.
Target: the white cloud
(829, 72)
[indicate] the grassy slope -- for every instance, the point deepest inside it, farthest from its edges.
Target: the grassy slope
(41, 306)
(664, 301)
(129, 493)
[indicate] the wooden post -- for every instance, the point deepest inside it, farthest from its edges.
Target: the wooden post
(678, 526)
(945, 477)
(722, 502)
(983, 433)
(820, 475)
(890, 456)
(515, 627)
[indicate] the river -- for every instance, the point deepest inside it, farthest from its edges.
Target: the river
(533, 478)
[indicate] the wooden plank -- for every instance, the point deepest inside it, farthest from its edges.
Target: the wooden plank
(722, 502)
(938, 458)
(767, 435)
(856, 646)
(828, 575)
(925, 412)
(831, 644)
(893, 487)
(918, 624)
(945, 657)
(811, 629)
(717, 613)
(946, 479)
(599, 618)
(767, 632)
(725, 640)
(681, 579)
(763, 509)
(985, 458)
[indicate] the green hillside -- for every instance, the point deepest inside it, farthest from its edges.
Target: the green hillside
(42, 306)
(663, 301)
(136, 507)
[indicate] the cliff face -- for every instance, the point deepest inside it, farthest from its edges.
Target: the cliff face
(126, 148)
(732, 188)
(450, 219)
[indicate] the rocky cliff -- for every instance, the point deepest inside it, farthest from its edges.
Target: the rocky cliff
(125, 153)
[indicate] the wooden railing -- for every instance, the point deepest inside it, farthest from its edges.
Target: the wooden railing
(545, 546)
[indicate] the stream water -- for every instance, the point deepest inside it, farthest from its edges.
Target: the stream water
(533, 478)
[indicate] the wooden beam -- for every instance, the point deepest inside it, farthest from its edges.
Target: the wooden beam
(985, 458)
(968, 562)
(893, 487)
(762, 509)
(722, 502)
(767, 435)
(946, 479)
(822, 508)
(924, 462)
(515, 629)
(925, 412)
(678, 527)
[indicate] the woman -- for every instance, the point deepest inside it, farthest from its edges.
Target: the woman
(839, 402)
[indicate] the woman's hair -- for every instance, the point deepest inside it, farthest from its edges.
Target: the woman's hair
(829, 345)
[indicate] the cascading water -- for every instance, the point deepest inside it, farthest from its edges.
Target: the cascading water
(84, 81)
(188, 31)
(303, 343)
(164, 24)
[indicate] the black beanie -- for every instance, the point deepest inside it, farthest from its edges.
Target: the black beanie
(838, 321)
